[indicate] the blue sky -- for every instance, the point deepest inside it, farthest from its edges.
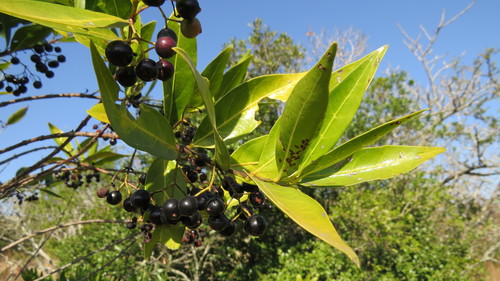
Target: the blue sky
(223, 19)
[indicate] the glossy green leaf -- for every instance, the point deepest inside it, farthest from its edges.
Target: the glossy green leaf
(160, 180)
(179, 90)
(100, 44)
(221, 153)
(214, 72)
(98, 112)
(64, 18)
(346, 149)
(147, 32)
(303, 114)
(246, 157)
(374, 163)
(17, 116)
(268, 168)
(343, 102)
(306, 212)
(149, 132)
(119, 8)
(28, 36)
(233, 77)
(235, 112)
(50, 192)
(68, 148)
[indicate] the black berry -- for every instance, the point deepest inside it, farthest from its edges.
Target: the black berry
(37, 84)
(215, 206)
(255, 225)
(188, 9)
(15, 60)
(53, 64)
(127, 205)
(171, 209)
(188, 206)
(193, 221)
(131, 225)
(154, 3)
(257, 198)
(147, 70)
(114, 197)
(61, 58)
(218, 222)
(119, 53)
(126, 76)
(140, 199)
(155, 215)
(167, 32)
(229, 230)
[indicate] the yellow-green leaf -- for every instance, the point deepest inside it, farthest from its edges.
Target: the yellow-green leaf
(17, 116)
(306, 212)
(98, 112)
(373, 163)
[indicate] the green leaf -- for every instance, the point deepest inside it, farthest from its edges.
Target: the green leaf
(28, 36)
(98, 112)
(233, 77)
(214, 72)
(50, 192)
(373, 163)
(147, 31)
(343, 102)
(150, 132)
(119, 8)
(160, 180)
(246, 157)
(348, 148)
(64, 18)
(306, 212)
(17, 116)
(103, 157)
(235, 112)
(303, 114)
(268, 168)
(179, 90)
(68, 148)
(221, 152)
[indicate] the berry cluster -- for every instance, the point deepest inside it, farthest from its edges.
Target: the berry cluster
(21, 197)
(75, 180)
(206, 201)
(119, 53)
(44, 59)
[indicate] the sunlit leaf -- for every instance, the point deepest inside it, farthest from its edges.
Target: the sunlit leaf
(303, 114)
(306, 212)
(17, 116)
(346, 149)
(343, 102)
(373, 163)
(98, 112)
(235, 112)
(233, 77)
(246, 157)
(68, 148)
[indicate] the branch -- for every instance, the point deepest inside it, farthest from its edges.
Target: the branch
(58, 227)
(58, 135)
(24, 153)
(71, 95)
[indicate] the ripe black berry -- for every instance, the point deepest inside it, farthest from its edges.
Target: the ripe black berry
(192, 176)
(15, 60)
(229, 230)
(190, 28)
(140, 199)
(119, 53)
(147, 70)
(1, 85)
(113, 141)
(255, 225)
(114, 197)
(154, 3)
(188, 206)
(10, 78)
(245, 211)
(164, 45)
(167, 32)
(165, 70)
(188, 9)
(57, 49)
(126, 76)
(9, 89)
(171, 209)
(155, 215)
(61, 58)
(249, 187)
(35, 58)
(53, 64)
(48, 47)
(203, 200)
(38, 49)
(22, 89)
(218, 222)
(49, 74)
(131, 225)
(215, 206)
(24, 80)
(127, 205)
(257, 198)
(37, 84)
(193, 221)
(102, 192)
